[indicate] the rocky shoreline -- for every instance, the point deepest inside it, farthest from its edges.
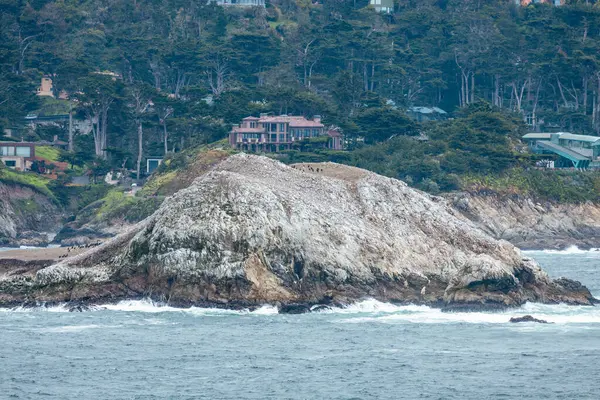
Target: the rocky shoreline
(27, 217)
(253, 231)
(530, 224)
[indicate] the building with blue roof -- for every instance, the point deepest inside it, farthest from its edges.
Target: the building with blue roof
(578, 151)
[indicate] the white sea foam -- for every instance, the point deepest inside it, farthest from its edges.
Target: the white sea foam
(149, 306)
(389, 313)
(50, 246)
(369, 306)
(567, 251)
(146, 306)
(42, 308)
(77, 328)
(266, 310)
(370, 310)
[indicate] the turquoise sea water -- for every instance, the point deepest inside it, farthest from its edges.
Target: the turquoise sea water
(371, 350)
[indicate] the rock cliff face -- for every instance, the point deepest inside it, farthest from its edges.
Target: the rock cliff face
(529, 224)
(26, 216)
(254, 231)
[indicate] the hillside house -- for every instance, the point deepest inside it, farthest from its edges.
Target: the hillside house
(422, 114)
(573, 151)
(528, 2)
(384, 6)
(17, 155)
(283, 132)
(152, 163)
(241, 3)
(45, 88)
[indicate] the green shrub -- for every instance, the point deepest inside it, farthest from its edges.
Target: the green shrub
(554, 185)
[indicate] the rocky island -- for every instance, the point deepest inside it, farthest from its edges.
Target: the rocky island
(252, 231)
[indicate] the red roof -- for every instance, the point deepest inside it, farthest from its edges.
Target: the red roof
(293, 120)
(305, 123)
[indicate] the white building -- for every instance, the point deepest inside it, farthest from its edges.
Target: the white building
(385, 6)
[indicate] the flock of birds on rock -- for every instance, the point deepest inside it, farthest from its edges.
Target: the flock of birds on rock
(310, 168)
(78, 247)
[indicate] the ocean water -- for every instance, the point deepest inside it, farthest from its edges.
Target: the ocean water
(370, 350)
(50, 246)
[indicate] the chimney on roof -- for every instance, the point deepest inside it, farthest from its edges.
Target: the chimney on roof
(317, 119)
(264, 115)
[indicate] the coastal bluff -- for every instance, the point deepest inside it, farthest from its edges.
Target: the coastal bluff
(252, 231)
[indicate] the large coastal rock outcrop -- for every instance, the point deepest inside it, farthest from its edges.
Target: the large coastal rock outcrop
(254, 231)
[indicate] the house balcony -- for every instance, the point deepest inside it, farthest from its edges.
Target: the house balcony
(250, 141)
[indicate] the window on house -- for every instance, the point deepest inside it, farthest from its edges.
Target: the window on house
(7, 151)
(273, 128)
(23, 151)
(10, 163)
(282, 137)
(252, 124)
(315, 132)
(273, 137)
(530, 120)
(307, 133)
(281, 127)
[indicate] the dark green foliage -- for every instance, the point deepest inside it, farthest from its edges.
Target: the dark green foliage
(380, 124)
(186, 71)
(75, 198)
(556, 186)
(462, 146)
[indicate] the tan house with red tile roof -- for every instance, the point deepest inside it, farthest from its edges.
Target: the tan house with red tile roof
(277, 133)
(528, 2)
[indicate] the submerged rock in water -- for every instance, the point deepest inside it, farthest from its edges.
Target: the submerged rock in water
(319, 308)
(294, 308)
(254, 231)
(528, 318)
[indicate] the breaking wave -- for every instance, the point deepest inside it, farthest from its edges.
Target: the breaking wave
(567, 251)
(375, 311)
(76, 328)
(40, 308)
(149, 306)
(369, 310)
(50, 246)
(146, 306)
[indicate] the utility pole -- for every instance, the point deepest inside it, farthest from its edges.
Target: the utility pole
(70, 126)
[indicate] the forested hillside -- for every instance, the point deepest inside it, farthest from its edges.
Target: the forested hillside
(163, 76)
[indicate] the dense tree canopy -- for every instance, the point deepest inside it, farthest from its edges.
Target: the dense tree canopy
(203, 67)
